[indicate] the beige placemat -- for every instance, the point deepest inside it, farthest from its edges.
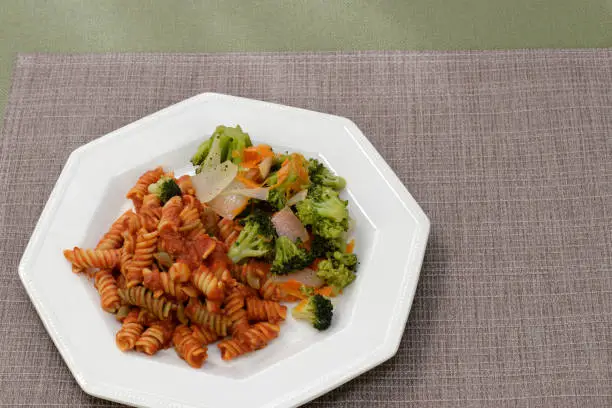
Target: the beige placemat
(509, 153)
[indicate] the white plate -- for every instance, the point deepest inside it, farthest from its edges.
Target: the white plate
(301, 364)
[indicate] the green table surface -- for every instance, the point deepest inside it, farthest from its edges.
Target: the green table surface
(295, 25)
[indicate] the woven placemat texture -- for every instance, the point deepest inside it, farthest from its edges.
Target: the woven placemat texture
(508, 152)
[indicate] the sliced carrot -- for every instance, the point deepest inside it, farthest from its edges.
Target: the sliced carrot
(246, 181)
(326, 291)
(350, 247)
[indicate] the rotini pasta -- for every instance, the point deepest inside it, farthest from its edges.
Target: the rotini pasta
(180, 272)
(265, 310)
(200, 315)
(160, 283)
(260, 334)
(130, 332)
(234, 309)
(204, 334)
(170, 220)
(156, 337)
(146, 243)
(113, 239)
(106, 284)
(92, 258)
(232, 348)
(203, 279)
(142, 297)
(187, 347)
(137, 193)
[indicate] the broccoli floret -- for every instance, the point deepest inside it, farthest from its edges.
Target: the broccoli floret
(348, 260)
(231, 142)
(319, 174)
(324, 211)
(289, 257)
(256, 238)
(165, 188)
(321, 247)
(317, 309)
(335, 274)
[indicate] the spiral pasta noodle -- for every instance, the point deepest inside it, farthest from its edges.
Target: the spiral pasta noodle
(217, 322)
(180, 272)
(156, 337)
(190, 215)
(146, 243)
(106, 285)
(113, 239)
(137, 193)
(260, 334)
(204, 334)
(203, 279)
(265, 310)
(234, 310)
(130, 332)
(150, 212)
(188, 348)
(160, 283)
(232, 348)
(170, 220)
(142, 297)
(271, 291)
(185, 184)
(91, 258)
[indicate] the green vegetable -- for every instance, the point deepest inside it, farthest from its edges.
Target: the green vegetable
(321, 247)
(324, 211)
(256, 238)
(348, 260)
(165, 188)
(289, 257)
(226, 142)
(317, 309)
(335, 274)
(320, 175)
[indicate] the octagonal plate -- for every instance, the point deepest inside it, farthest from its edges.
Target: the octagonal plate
(370, 317)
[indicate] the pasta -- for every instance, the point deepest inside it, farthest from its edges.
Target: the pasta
(188, 347)
(265, 310)
(142, 297)
(106, 284)
(93, 258)
(130, 331)
(156, 337)
(177, 271)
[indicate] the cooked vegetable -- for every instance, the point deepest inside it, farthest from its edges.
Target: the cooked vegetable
(289, 257)
(211, 181)
(288, 225)
(324, 211)
(291, 178)
(321, 247)
(317, 309)
(165, 188)
(304, 276)
(335, 273)
(255, 240)
(320, 175)
(226, 143)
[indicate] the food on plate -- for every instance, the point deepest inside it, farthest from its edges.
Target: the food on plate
(215, 256)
